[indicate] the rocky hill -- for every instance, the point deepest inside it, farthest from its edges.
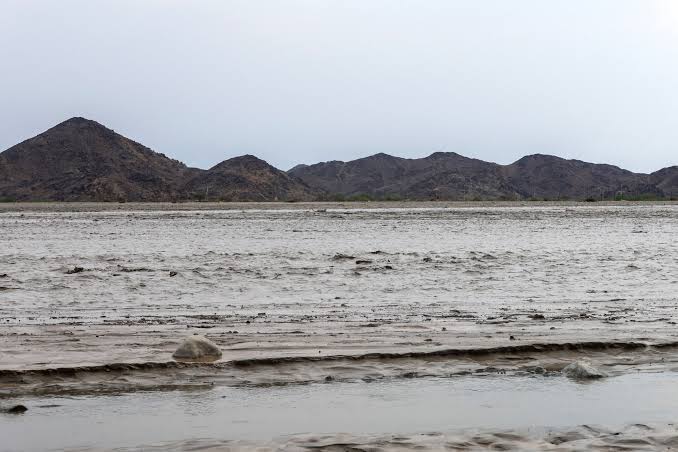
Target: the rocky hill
(247, 178)
(549, 177)
(666, 180)
(81, 160)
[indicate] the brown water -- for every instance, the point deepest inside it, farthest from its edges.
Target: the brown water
(376, 295)
(433, 411)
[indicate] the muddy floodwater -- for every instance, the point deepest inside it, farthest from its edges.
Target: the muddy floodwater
(373, 326)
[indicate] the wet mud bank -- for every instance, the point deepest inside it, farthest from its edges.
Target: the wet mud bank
(547, 360)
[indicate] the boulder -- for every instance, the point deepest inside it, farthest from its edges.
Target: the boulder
(197, 348)
(16, 409)
(75, 270)
(582, 370)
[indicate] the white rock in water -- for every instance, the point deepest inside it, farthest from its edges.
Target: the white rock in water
(582, 369)
(197, 348)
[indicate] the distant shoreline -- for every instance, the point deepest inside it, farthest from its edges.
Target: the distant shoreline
(57, 206)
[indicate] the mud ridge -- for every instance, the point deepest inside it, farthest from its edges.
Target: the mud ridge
(542, 348)
(460, 353)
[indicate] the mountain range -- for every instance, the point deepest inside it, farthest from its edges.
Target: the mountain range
(81, 160)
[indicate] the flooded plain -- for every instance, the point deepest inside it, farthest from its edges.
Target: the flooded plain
(375, 326)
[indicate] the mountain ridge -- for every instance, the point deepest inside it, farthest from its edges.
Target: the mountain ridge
(82, 160)
(456, 177)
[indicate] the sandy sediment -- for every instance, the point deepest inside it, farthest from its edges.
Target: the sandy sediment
(587, 437)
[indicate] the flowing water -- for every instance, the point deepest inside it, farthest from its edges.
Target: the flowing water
(318, 303)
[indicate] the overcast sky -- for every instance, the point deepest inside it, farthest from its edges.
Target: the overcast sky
(312, 80)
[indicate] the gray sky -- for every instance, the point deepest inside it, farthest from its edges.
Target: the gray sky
(313, 80)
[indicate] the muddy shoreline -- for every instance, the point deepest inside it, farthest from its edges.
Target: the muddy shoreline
(316, 205)
(546, 360)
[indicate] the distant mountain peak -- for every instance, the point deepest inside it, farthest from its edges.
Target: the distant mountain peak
(297, 167)
(540, 157)
(247, 160)
(442, 154)
(79, 121)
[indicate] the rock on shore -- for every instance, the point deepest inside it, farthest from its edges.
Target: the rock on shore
(582, 370)
(197, 348)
